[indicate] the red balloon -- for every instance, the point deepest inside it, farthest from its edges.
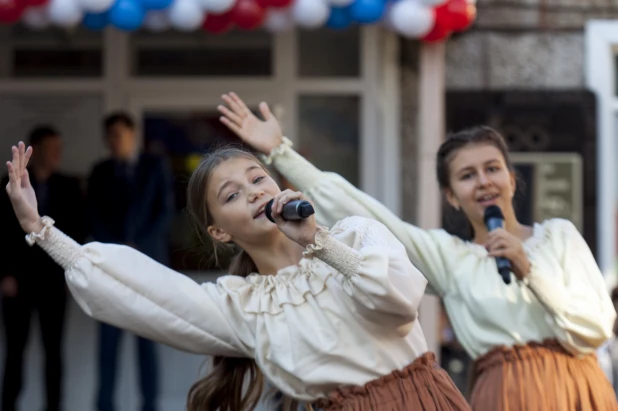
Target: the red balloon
(36, 3)
(274, 3)
(10, 11)
(217, 23)
(457, 15)
(248, 14)
(438, 33)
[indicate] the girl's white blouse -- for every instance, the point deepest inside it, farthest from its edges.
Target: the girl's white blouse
(345, 315)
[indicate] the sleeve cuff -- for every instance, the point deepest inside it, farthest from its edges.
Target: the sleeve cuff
(285, 146)
(61, 248)
(334, 253)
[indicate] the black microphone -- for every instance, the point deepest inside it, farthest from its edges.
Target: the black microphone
(494, 219)
(293, 210)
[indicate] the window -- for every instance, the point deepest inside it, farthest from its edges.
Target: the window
(329, 130)
(51, 53)
(329, 53)
(176, 54)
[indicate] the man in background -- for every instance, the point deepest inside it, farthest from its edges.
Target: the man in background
(130, 200)
(29, 279)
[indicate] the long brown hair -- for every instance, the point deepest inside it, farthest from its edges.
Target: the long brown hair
(224, 388)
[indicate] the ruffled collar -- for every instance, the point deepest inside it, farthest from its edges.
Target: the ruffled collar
(291, 285)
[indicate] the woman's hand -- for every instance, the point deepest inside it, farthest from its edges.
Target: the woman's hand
(501, 243)
(263, 136)
(20, 190)
(301, 231)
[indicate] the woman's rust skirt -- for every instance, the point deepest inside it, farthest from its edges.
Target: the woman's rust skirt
(539, 377)
(422, 385)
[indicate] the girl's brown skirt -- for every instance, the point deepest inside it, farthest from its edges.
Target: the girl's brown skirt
(422, 385)
(539, 377)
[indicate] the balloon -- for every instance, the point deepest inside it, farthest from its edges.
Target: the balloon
(126, 15)
(36, 18)
(10, 11)
(339, 18)
(438, 33)
(248, 14)
(96, 21)
(410, 19)
(341, 3)
(35, 3)
(186, 15)
(217, 6)
(218, 23)
(156, 4)
(157, 21)
(456, 15)
(95, 6)
(432, 3)
(278, 21)
(367, 11)
(66, 13)
(310, 14)
(274, 3)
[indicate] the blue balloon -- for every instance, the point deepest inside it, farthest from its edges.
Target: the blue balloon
(367, 11)
(339, 18)
(95, 21)
(127, 15)
(156, 4)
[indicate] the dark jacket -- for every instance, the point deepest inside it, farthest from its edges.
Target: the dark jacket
(65, 204)
(134, 207)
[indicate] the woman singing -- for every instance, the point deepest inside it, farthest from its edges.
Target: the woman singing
(533, 341)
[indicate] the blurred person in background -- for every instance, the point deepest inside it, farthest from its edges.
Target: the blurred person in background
(130, 200)
(30, 280)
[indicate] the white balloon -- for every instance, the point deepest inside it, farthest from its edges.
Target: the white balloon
(341, 3)
(432, 3)
(410, 19)
(310, 14)
(217, 6)
(95, 6)
(66, 13)
(279, 20)
(36, 18)
(186, 15)
(157, 21)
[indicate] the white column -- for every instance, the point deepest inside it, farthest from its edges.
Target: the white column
(601, 38)
(431, 130)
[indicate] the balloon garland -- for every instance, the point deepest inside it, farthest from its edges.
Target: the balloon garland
(426, 20)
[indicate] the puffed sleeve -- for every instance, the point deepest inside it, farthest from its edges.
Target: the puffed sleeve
(582, 313)
(123, 287)
(335, 198)
(376, 271)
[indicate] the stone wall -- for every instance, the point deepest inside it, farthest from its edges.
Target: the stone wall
(490, 60)
(524, 44)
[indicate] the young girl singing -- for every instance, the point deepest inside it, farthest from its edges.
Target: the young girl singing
(533, 340)
(328, 316)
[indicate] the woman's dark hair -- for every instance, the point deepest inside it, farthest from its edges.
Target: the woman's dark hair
(456, 141)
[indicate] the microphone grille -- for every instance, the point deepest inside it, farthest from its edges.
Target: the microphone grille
(268, 210)
(493, 211)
